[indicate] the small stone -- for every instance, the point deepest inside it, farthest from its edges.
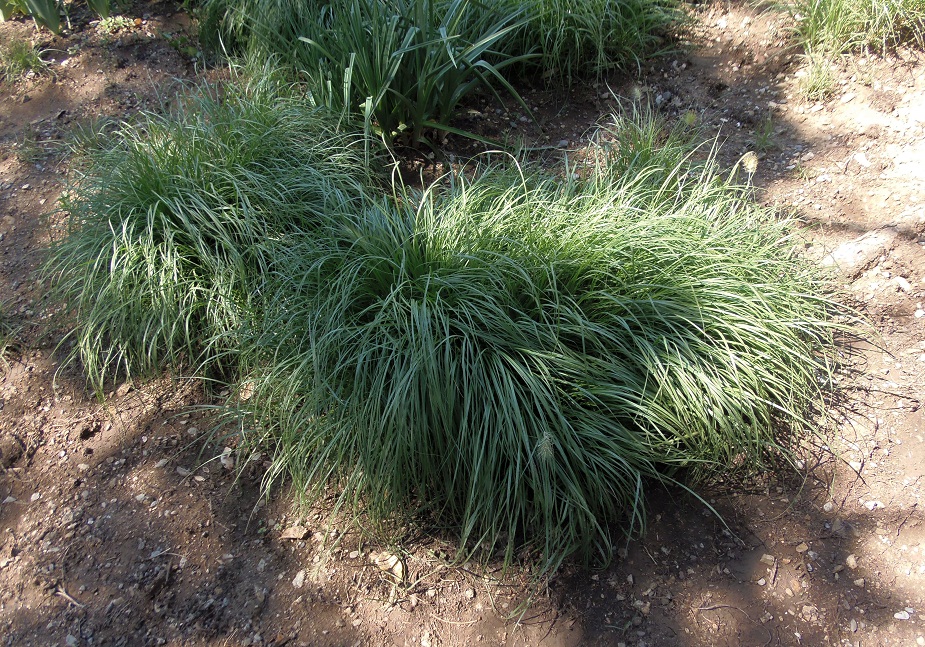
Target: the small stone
(182, 471)
(901, 615)
(920, 641)
(903, 284)
(199, 479)
(856, 466)
(563, 143)
(83, 467)
(802, 547)
(295, 532)
(299, 580)
(828, 507)
(853, 625)
(767, 559)
(354, 554)
(861, 159)
(9, 499)
(226, 459)
(470, 594)
(35, 496)
(761, 582)
(874, 505)
(70, 641)
(162, 463)
(919, 313)
(851, 561)
(390, 563)
(859, 583)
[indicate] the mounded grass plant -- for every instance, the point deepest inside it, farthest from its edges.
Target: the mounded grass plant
(829, 27)
(173, 225)
(587, 38)
(19, 57)
(519, 359)
(402, 66)
(405, 65)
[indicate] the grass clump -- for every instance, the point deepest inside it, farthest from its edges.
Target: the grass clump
(518, 359)
(837, 26)
(587, 38)
(174, 223)
(18, 58)
(402, 66)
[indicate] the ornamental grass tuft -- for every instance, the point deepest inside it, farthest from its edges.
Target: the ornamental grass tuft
(173, 225)
(519, 359)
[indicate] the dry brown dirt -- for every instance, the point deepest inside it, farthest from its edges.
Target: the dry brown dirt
(119, 527)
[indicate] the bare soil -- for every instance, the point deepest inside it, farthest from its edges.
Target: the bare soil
(119, 525)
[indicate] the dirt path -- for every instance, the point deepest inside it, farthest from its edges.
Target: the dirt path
(113, 532)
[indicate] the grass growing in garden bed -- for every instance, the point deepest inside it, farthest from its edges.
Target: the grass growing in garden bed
(518, 359)
(405, 65)
(402, 66)
(17, 58)
(584, 38)
(837, 26)
(173, 225)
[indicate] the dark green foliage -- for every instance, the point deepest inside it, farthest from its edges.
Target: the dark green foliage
(173, 226)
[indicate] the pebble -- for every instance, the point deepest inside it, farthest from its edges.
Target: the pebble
(859, 583)
(70, 641)
(802, 547)
(851, 561)
(299, 580)
(182, 471)
(767, 559)
(920, 641)
(83, 467)
(901, 615)
(295, 532)
(162, 463)
(35, 496)
(226, 459)
(874, 505)
(563, 143)
(828, 507)
(903, 284)
(853, 625)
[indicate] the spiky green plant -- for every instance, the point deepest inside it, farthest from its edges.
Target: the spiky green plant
(19, 57)
(173, 225)
(829, 27)
(402, 66)
(576, 39)
(518, 359)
